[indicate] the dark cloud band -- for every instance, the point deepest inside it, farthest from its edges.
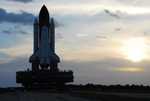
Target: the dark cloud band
(23, 17)
(24, 1)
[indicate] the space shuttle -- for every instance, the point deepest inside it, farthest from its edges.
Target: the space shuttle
(44, 56)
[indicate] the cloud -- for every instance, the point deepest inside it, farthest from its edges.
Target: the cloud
(111, 13)
(143, 3)
(24, 1)
(101, 37)
(4, 57)
(8, 71)
(57, 24)
(9, 31)
(106, 71)
(22, 18)
(83, 30)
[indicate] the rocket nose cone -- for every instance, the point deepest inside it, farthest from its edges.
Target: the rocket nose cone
(44, 16)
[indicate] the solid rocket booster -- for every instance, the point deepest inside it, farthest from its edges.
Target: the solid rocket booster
(44, 41)
(35, 35)
(52, 38)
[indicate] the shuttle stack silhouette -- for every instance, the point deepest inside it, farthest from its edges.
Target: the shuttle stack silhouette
(44, 60)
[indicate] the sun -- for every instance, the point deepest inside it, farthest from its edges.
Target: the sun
(134, 49)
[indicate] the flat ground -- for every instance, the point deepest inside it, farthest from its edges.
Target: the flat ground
(18, 95)
(38, 96)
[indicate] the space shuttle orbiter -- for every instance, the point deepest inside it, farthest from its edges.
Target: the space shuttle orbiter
(45, 71)
(44, 56)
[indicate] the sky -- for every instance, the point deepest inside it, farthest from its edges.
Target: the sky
(102, 41)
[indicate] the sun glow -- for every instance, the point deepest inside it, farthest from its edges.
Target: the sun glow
(134, 49)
